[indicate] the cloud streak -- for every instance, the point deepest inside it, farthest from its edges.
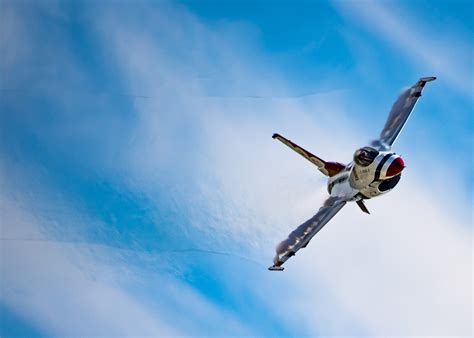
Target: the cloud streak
(41, 275)
(208, 175)
(437, 52)
(253, 183)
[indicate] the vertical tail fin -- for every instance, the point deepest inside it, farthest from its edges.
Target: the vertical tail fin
(327, 168)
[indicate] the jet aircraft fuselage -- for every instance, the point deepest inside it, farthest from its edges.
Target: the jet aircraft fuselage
(371, 174)
(374, 171)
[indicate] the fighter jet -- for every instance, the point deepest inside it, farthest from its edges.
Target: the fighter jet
(374, 171)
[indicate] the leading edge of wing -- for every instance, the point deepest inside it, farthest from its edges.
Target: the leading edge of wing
(300, 237)
(400, 113)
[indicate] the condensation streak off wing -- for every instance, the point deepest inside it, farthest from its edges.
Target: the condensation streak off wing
(400, 112)
(301, 236)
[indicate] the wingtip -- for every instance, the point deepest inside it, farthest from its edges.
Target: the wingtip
(274, 136)
(428, 78)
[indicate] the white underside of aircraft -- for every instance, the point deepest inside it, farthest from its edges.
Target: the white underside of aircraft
(374, 171)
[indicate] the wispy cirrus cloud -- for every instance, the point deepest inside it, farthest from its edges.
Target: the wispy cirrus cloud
(248, 192)
(201, 170)
(57, 287)
(57, 277)
(427, 45)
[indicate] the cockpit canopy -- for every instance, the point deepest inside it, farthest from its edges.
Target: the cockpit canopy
(365, 156)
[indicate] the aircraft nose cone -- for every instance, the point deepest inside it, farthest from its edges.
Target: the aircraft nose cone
(396, 167)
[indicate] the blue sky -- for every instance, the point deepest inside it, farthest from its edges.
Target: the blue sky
(142, 193)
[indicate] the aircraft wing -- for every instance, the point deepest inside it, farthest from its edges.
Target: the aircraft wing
(327, 168)
(301, 236)
(399, 114)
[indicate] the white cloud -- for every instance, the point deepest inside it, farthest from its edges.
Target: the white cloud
(438, 52)
(404, 270)
(60, 289)
(76, 288)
